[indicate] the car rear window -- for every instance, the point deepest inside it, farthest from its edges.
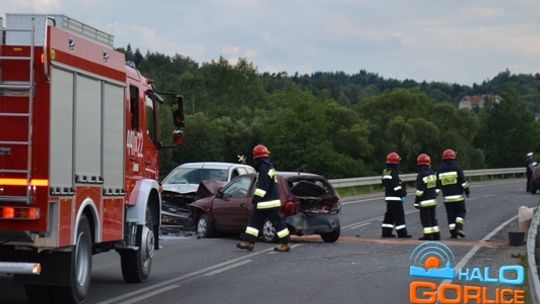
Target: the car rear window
(310, 187)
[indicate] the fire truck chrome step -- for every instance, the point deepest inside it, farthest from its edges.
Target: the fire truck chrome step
(15, 114)
(14, 143)
(13, 171)
(16, 85)
(20, 268)
(11, 199)
(15, 58)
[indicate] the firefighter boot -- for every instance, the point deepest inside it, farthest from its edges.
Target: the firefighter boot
(436, 236)
(402, 234)
(460, 233)
(245, 245)
(387, 232)
(426, 237)
(283, 247)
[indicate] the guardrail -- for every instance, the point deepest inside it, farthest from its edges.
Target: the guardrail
(532, 245)
(409, 177)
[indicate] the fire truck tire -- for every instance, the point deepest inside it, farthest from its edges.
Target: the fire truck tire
(76, 290)
(136, 264)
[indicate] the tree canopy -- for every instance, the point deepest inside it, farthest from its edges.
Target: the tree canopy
(336, 124)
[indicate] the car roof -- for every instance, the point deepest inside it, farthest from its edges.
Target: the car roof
(211, 165)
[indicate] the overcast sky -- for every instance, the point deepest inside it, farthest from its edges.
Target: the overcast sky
(434, 40)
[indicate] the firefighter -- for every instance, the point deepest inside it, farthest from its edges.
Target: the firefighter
(394, 193)
(528, 169)
(426, 198)
(266, 203)
(453, 184)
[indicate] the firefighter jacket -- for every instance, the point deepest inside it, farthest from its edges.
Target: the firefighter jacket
(393, 188)
(266, 193)
(452, 182)
(426, 187)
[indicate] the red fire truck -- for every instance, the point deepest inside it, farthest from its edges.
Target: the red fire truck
(79, 157)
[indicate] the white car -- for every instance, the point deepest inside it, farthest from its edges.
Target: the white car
(181, 184)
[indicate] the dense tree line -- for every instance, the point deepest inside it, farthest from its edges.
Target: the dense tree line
(336, 124)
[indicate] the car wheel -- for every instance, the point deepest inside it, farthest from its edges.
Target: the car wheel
(331, 237)
(204, 228)
(269, 232)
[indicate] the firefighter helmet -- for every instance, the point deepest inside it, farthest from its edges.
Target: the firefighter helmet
(449, 154)
(393, 158)
(423, 159)
(260, 151)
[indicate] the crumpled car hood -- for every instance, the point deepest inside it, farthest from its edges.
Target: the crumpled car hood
(181, 188)
(207, 188)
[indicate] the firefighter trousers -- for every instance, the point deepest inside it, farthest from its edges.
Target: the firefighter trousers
(394, 217)
(256, 222)
(428, 219)
(455, 213)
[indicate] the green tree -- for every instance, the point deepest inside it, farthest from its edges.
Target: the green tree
(508, 131)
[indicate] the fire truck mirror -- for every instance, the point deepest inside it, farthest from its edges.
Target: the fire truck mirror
(178, 114)
(178, 137)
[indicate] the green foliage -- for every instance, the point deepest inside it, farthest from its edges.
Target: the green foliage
(336, 124)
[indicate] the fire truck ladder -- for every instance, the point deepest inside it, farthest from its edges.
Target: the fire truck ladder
(24, 90)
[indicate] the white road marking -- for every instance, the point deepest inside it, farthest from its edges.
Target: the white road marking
(475, 249)
(359, 225)
(150, 291)
(220, 270)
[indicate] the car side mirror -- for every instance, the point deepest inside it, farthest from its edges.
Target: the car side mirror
(219, 194)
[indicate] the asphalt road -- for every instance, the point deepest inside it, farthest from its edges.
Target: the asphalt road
(359, 268)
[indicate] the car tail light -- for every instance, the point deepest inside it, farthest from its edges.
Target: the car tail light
(289, 208)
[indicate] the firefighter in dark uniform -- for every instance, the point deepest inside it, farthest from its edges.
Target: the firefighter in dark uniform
(454, 188)
(426, 198)
(528, 169)
(266, 203)
(394, 195)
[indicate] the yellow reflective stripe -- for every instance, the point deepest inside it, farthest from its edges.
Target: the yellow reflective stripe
(435, 229)
(393, 198)
(387, 177)
(454, 198)
(397, 188)
(465, 185)
(387, 225)
(427, 230)
(269, 204)
(260, 192)
(400, 227)
(452, 226)
(252, 231)
(448, 174)
(427, 203)
(272, 173)
(419, 192)
(459, 220)
(283, 233)
(23, 182)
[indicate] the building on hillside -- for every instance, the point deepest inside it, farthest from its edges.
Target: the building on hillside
(478, 101)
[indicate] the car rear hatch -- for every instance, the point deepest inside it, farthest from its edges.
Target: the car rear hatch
(313, 195)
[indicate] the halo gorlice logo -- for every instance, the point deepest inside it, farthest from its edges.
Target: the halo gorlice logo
(435, 261)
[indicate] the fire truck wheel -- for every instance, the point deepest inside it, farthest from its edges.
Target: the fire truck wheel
(136, 264)
(81, 268)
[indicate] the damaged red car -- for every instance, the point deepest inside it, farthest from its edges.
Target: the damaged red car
(310, 205)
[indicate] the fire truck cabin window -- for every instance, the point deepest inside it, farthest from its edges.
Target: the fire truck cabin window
(151, 118)
(134, 107)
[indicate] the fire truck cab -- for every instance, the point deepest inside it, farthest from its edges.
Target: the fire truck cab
(79, 157)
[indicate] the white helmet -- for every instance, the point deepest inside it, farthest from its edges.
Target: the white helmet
(530, 154)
